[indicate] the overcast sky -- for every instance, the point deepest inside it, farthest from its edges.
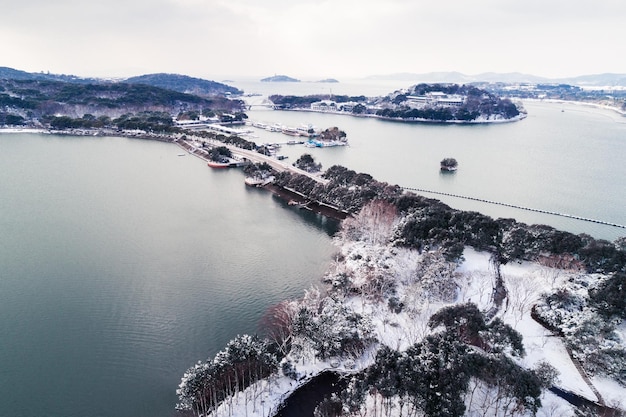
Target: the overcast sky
(312, 39)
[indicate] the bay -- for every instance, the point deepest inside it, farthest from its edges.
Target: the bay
(122, 264)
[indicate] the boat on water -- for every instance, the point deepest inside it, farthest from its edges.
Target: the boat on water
(312, 143)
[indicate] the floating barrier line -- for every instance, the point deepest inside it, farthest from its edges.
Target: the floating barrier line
(553, 213)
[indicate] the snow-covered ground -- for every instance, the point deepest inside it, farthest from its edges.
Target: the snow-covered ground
(473, 281)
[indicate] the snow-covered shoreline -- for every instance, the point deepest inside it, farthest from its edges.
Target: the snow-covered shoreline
(473, 278)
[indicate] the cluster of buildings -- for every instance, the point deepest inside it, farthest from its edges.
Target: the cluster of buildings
(432, 99)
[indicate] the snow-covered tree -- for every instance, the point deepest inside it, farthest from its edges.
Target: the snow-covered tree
(245, 360)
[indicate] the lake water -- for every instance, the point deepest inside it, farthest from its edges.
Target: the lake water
(122, 264)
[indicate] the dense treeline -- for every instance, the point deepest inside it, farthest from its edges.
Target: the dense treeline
(155, 122)
(11, 119)
(229, 140)
(430, 223)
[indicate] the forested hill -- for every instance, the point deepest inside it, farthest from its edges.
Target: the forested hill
(184, 84)
(28, 101)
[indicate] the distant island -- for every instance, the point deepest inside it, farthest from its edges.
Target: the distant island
(280, 79)
(440, 103)
(328, 80)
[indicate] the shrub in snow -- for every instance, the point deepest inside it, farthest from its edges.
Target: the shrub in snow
(588, 323)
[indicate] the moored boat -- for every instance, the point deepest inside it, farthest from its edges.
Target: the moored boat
(216, 164)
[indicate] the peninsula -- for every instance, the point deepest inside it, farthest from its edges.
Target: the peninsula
(439, 103)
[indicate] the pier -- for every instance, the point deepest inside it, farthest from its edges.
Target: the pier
(553, 213)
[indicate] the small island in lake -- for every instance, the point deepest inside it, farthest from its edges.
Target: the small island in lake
(280, 79)
(449, 165)
(328, 80)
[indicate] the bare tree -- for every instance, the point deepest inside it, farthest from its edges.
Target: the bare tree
(373, 224)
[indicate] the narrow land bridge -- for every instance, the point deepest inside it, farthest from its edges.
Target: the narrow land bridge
(280, 166)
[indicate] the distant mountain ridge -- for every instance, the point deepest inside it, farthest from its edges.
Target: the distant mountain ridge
(597, 80)
(174, 82)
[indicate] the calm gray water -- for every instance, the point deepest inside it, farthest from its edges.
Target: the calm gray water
(122, 264)
(561, 158)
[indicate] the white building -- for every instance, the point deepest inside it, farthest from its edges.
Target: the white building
(435, 99)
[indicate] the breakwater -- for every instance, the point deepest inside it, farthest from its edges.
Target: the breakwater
(553, 213)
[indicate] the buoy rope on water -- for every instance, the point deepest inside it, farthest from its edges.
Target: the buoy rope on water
(553, 213)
